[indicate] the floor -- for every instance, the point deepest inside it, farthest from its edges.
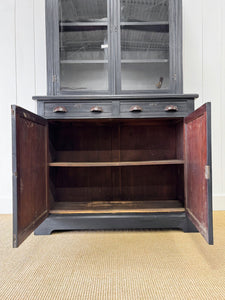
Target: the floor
(113, 265)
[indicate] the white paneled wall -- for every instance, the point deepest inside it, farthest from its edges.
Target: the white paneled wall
(8, 95)
(23, 74)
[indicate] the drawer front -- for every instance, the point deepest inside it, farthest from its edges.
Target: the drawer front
(142, 109)
(81, 110)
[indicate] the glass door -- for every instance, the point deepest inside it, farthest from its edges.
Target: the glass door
(144, 45)
(114, 46)
(84, 46)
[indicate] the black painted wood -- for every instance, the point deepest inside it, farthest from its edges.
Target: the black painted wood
(209, 163)
(115, 108)
(79, 109)
(158, 97)
(118, 107)
(115, 222)
(114, 78)
(153, 109)
(50, 46)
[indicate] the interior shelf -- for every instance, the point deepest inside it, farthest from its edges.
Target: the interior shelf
(138, 61)
(117, 207)
(86, 61)
(117, 164)
(156, 23)
(64, 24)
(125, 61)
(140, 23)
(75, 24)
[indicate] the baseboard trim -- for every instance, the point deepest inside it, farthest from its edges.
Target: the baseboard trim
(219, 202)
(5, 206)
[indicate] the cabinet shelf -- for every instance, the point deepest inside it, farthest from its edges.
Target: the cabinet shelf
(68, 24)
(146, 26)
(86, 61)
(117, 164)
(117, 207)
(124, 61)
(142, 61)
(144, 23)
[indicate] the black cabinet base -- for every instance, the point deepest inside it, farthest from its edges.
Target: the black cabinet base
(115, 222)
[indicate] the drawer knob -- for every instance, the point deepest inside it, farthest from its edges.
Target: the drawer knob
(60, 109)
(96, 109)
(171, 108)
(136, 108)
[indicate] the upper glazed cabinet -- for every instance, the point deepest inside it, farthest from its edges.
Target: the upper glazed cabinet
(104, 46)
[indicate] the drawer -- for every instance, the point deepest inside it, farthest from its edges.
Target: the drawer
(70, 110)
(142, 109)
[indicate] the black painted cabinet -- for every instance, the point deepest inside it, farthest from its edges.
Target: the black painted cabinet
(112, 164)
(102, 46)
(115, 144)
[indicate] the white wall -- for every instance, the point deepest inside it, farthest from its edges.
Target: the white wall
(23, 74)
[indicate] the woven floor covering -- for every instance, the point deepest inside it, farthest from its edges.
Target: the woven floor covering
(113, 265)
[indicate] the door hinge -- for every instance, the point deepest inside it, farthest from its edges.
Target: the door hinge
(54, 78)
(207, 172)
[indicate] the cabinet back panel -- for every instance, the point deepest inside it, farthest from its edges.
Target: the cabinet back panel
(139, 183)
(78, 142)
(152, 183)
(146, 142)
(116, 140)
(82, 184)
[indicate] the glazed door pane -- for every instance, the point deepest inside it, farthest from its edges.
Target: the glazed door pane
(144, 10)
(84, 45)
(144, 43)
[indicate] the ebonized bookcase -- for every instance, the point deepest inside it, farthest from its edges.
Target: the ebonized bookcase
(108, 149)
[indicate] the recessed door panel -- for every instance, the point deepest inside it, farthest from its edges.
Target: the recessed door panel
(30, 206)
(198, 170)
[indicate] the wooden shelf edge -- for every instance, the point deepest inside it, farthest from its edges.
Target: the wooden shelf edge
(116, 211)
(117, 164)
(143, 61)
(115, 207)
(77, 61)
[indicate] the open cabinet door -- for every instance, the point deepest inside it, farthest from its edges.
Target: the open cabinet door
(198, 170)
(29, 150)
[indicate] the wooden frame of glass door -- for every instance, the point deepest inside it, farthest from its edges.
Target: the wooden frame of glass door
(114, 62)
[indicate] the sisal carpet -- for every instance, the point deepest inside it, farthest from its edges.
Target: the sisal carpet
(113, 265)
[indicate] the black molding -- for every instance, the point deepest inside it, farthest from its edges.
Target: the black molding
(157, 97)
(115, 222)
(49, 45)
(14, 175)
(209, 163)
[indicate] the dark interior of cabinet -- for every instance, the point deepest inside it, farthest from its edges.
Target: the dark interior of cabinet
(108, 166)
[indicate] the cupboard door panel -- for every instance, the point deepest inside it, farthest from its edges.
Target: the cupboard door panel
(30, 206)
(198, 170)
